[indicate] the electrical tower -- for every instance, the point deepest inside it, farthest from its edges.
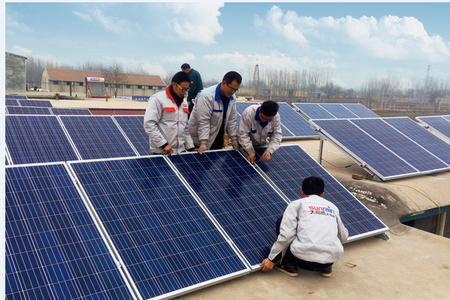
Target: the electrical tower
(256, 80)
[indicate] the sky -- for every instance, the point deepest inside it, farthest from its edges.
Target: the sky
(350, 42)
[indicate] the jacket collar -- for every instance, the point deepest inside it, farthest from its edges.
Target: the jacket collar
(217, 95)
(263, 124)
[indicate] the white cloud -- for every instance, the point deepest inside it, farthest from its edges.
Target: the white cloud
(115, 25)
(196, 22)
(133, 65)
(389, 37)
(21, 51)
(185, 57)
(82, 16)
(13, 26)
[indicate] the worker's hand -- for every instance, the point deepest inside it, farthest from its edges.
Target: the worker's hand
(235, 143)
(266, 155)
(168, 150)
(251, 157)
(203, 146)
(267, 265)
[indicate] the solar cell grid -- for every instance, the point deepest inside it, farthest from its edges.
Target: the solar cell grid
(96, 137)
(133, 126)
(242, 201)
(288, 167)
(313, 111)
(22, 110)
(369, 152)
(166, 241)
(405, 148)
(35, 103)
(360, 110)
(438, 123)
(421, 136)
(71, 111)
(338, 110)
(294, 122)
(11, 102)
(53, 248)
(37, 139)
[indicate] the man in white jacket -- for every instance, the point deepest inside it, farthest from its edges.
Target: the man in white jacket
(166, 118)
(214, 114)
(311, 233)
(260, 124)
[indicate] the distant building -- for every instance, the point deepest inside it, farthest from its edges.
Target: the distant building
(63, 80)
(15, 73)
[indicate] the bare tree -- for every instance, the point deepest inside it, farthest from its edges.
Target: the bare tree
(114, 77)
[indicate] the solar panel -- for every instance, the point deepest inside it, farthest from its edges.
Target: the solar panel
(133, 127)
(11, 102)
(401, 145)
(36, 139)
(71, 111)
(313, 111)
(166, 241)
(360, 110)
(35, 103)
(242, 201)
(96, 137)
(288, 167)
(421, 136)
(438, 123)
(21, 110)
(338, 110)
(294, 122)
(241, 106)
(447, 118)
(365, 149)
(53, 248)
(16, 97)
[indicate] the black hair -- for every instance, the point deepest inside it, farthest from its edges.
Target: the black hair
(232, 76)
(269, 108)
(185, 66)
(181, 77)
(313, 186)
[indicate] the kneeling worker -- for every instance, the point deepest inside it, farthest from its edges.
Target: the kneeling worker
(311, 232)
(259, 125)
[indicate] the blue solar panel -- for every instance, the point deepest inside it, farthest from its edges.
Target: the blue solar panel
(21, 110)
(16, 97)
(71, 111)
(53, 248)
(295, 122)
(166, 241)
(404, 147)
(133, 126)
(438, 123)
(35, 103)
(244, 204)
(421, 136)
(241, 106)
(447, 118)
(35, 139)
(11, 102)
(290, 165)
(360, 110)
(313, 111)
(338, 110)
(96, 137)
(365, 149)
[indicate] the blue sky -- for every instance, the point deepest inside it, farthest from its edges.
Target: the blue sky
(350, 42)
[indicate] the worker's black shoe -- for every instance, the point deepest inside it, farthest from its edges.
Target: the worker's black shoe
(326, 272)
(288, 269)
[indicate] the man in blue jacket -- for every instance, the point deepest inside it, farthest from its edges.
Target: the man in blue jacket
(196, 83)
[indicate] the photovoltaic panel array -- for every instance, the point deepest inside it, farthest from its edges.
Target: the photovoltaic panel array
(71, 111)
(335, 110)
(421, 136)
(96, 137)
(21, 110)
(35, 103)
(16, 97)
(365, 149)
(288, 167)
(439, 123)
(133, 126)
(404, 147)
(11, 102)
(242, 201)
(294, 123)
(53, 248)
(166, 241)
(37, 139)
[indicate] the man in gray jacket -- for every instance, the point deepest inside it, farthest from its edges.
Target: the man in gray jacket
(260, 124)
(214, 114)
(311, 232)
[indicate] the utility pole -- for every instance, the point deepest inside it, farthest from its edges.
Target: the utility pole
(256, 80)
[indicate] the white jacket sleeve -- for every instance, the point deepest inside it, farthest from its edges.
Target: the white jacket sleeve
(342, 231)
(151, 119)
(245, 126)
(277, 135)
(204, 111)
(288, 231)
(188, 142)
(232, 129)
